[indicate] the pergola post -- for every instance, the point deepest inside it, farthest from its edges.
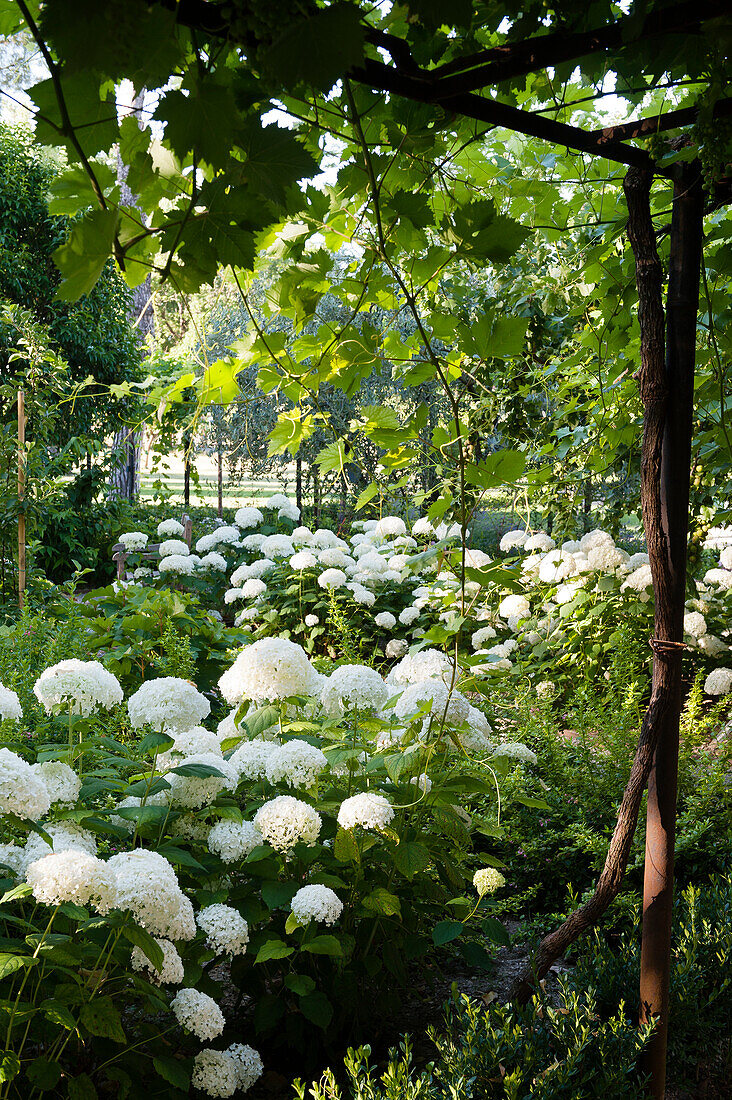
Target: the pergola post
(681, 319)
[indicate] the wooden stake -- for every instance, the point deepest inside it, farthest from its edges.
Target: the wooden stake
(21, 498)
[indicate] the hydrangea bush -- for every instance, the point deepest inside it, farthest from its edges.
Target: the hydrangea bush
(548, 612)
(309, 845)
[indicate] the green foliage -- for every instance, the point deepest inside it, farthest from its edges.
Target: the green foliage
(144, 633)
(555, 1053)
(92, 335)
(701, 986)
(586, 747)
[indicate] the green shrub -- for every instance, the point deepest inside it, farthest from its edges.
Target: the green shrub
(585, 749)
(701, 972)
(541, 1051)
(146, 632)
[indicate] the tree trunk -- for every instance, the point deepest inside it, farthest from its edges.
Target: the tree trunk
(124, 477)
(664, 496)
(681, 315)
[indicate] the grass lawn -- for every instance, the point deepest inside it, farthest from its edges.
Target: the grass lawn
(206, 491)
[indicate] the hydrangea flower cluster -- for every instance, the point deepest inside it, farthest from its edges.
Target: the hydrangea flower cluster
(270, 669)
(318, 903)
(167, 703)
(286, 821)
(81, 686)
(225, 928)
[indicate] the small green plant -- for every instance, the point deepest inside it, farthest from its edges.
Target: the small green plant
(507, 1053)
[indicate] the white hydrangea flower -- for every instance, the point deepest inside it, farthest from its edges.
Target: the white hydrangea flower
(170, 529)
(84, 686)
(213, 562)
(318, 903)
(194, 791)
(396, 647)
(277, 500)
(195, 740)
(277, 546)
(719, 578)
(442, 702)
(133, 541)
(487, 880)
(171, 972)
(253, 542)
(198, 1013)
(285, 821)
(303, 559)
(369, 810)
(332, 578)
(73, 876)
(323, 538)
(253, 589)
(301, 536)
(351, 686)
(222, 535)
(712, 646)
(540, 541)
(226, 930)
(296, 763)
(248, 516)
(423, 527)
(248, 1064)
(227, 727)
(718, 682)
(62, 782)
(515, 750)
(604, 557)
(390, 526)
(177, 547)
(250, 759)
(311, 620)
(233, 840)
(695, 624)
(385, 620)
(167, 702)
(11, 855)
(363, 596)
(422, 781)
(512, 539)
(146, 884)
(334, 556)
(269, 669)
(141, 572)
(514, 605)
(373, 562)
(10, 708)
(595, 538)
(66, 836)
(22, 790)
(409, 615)
(215, 1073)
(178, 563)
(546, 689)
(484, 634)
(427, 664)
(639, 580)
